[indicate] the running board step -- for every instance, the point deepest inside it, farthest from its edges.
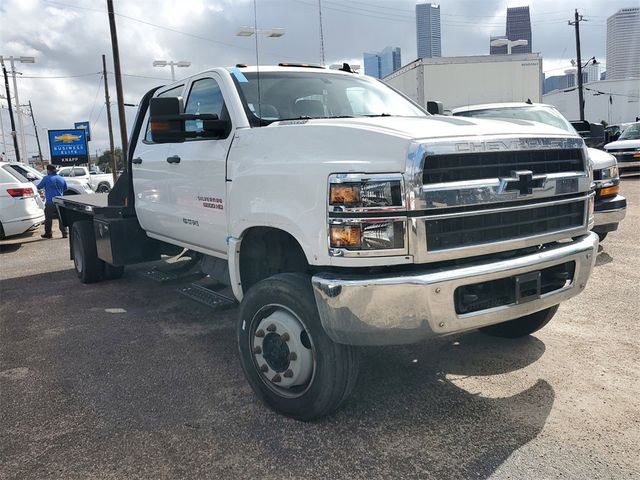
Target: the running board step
(218, 300)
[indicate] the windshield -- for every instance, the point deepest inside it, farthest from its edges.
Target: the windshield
(631, 133)
(301, 95)
(546, 115)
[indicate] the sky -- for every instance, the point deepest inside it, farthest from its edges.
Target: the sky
(68, 37)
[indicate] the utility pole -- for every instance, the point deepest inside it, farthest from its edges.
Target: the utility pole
(35, 128)
(4, 141)
(13, 123)
(576, 24)
(118, 77)
(114, 167)
(321, 34)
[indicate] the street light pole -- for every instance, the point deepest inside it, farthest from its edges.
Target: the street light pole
(172, 64)
(12, 59)
(13, 123)
(4, 141)
(501, 42)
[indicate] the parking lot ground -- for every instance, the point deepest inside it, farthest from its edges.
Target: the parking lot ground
(128, 379)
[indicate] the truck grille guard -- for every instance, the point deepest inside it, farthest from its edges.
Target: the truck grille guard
(469, 197)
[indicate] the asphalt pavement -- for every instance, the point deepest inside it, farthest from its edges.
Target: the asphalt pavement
(128, 379)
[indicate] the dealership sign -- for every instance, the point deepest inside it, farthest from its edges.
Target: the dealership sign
(84, 125)
(68, 147)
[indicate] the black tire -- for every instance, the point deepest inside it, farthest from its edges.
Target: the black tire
(334, 366)
(103, 188)
(112, 272)
(87, 265)
(602, 235)
(522, 326)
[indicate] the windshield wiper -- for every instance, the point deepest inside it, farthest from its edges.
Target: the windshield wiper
(378, 115)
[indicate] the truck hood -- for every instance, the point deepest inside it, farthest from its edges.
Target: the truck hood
(620, 144)
(600, 159)
(441, 126)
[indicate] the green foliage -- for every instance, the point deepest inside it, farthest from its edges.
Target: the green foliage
(104, 160)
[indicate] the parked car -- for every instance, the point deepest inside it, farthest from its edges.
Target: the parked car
(100, 182)
(613, 132)
(610, 207)
(75, 186)
(627, 150)
(340, 213)
(21, 209)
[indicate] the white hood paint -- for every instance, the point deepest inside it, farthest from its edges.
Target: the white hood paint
(600, 159)
(620, 144)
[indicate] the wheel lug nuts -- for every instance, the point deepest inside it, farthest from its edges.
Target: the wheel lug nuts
(293, 356)
(288, 373)
(257, 350)
(260, 333)
(264, 368)
(276, 378)
(271, 328)
(285, 337)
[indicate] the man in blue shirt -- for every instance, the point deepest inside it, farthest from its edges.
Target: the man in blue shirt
(54, 186)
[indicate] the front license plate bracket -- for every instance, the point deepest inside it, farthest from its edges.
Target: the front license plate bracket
(528, 287)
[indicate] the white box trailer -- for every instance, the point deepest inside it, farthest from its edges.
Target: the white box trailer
(460, 81)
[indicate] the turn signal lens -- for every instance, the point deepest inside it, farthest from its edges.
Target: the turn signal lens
(345, 236)
(344, 194)
(609, 191)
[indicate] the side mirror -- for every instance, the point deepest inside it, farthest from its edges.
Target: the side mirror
(435, 108)
(168, 122)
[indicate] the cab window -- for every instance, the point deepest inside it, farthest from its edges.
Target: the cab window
(172, 92)
(205, 97)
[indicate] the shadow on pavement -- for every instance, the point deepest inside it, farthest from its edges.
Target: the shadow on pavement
(157, 391)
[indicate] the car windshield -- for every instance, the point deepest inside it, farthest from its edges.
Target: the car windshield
(302, 95)
(632, 132)
(546, 115)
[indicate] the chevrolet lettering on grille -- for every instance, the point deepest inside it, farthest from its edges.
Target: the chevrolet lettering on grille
(522, 181)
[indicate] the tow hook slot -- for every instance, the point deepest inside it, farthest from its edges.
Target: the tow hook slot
(528, 287)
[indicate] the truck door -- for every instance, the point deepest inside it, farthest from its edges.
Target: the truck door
(191, 193)
(150, 172)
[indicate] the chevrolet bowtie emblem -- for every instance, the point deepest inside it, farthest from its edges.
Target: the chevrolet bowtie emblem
(66, 138)
(521, 181)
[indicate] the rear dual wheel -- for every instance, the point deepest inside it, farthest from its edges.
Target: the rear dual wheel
(287, 358)
(89, 268)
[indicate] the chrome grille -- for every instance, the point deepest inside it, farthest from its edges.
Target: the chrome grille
(479, 165)
(489, 227)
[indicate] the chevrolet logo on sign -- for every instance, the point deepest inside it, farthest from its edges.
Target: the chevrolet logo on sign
(521, 181)
(67, 138)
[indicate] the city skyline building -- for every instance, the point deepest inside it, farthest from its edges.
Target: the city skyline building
(428, 30)
(518, 27)
(623, 44)
(381, 64)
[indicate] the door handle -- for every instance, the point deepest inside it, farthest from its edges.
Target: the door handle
(136, 160)
(173, 159)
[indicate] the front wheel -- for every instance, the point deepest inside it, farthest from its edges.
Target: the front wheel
(521, 326)
(103, 188)
(287, 357)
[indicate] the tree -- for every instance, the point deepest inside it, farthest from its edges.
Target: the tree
(104, 160)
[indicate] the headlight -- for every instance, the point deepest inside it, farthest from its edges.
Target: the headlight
(355, 205)
(609, 173)
(367, 234)
(354, 192)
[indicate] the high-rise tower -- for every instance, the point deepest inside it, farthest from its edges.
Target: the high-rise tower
(428, 35)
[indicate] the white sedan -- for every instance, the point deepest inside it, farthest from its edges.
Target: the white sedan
(21, 208)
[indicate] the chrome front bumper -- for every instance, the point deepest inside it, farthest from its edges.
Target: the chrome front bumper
(407, 308)
(609, 212)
